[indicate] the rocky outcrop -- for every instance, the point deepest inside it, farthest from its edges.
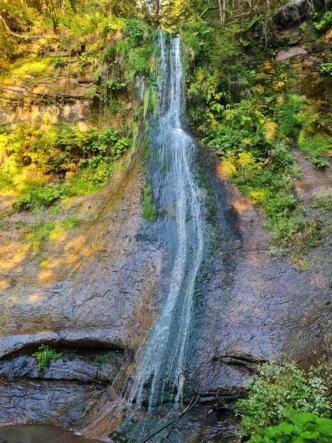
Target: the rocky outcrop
(295, 11)
(59, 98)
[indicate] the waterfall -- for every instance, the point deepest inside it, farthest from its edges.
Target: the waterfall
(161, 361)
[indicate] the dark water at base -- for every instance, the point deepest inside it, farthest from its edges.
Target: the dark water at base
(39, 434)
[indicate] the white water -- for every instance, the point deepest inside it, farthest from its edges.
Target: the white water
(161, 362)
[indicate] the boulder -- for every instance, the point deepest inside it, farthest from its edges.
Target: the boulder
(289, 53)
(295, 11)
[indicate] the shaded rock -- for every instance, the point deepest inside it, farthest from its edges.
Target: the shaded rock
(295, 11)
(69, 367)
(289, 53)
(36, 402)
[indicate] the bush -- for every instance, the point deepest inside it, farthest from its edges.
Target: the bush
(322, 21)
(300, 427)
(36, 196)
(326, 68)
(276, 390)
(43, 165)
(287, 116)
(45, 355)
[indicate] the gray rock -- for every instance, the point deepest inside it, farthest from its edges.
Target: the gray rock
(289, 53)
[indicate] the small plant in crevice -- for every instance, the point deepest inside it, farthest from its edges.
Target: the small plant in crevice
(45, 355)
(149, 207)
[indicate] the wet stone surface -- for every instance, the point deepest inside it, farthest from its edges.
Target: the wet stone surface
(98, 367)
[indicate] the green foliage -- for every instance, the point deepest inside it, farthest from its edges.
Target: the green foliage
(278, 389)
(45, 355)
(316, 149)
(46, 164)
(299, 428)
(135, 31)
(326, 68)
(149, 207)
(287, 116)
(36, 196)
(322, 21)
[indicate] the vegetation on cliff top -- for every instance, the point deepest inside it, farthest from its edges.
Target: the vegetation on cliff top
(49, 159)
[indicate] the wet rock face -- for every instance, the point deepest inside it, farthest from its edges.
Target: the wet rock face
(250, 308)
(99, 290)
(63, 99)
(39, 434)
(256, 307)
(39, 402)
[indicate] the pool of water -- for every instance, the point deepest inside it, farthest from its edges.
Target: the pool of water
(39, 434)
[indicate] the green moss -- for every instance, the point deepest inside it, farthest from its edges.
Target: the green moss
(107, 357)
(149, 207)
(40, 232)
(27, 67)
(323, 204)
(146, 102)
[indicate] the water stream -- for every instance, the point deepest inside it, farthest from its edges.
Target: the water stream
(162, 359)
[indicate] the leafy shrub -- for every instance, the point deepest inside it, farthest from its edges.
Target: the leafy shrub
(276, 390)
(300, 427)
(322, 21)
(45, 355)
(326, 68)
(287, 116)
(45, 164)
(316, 150)
(134, 30)
(36, 196)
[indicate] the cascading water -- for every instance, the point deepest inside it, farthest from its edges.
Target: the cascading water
(162, 359)
(160, 364)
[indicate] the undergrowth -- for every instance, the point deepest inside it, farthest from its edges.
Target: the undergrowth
(42, 165)
(277, 394)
